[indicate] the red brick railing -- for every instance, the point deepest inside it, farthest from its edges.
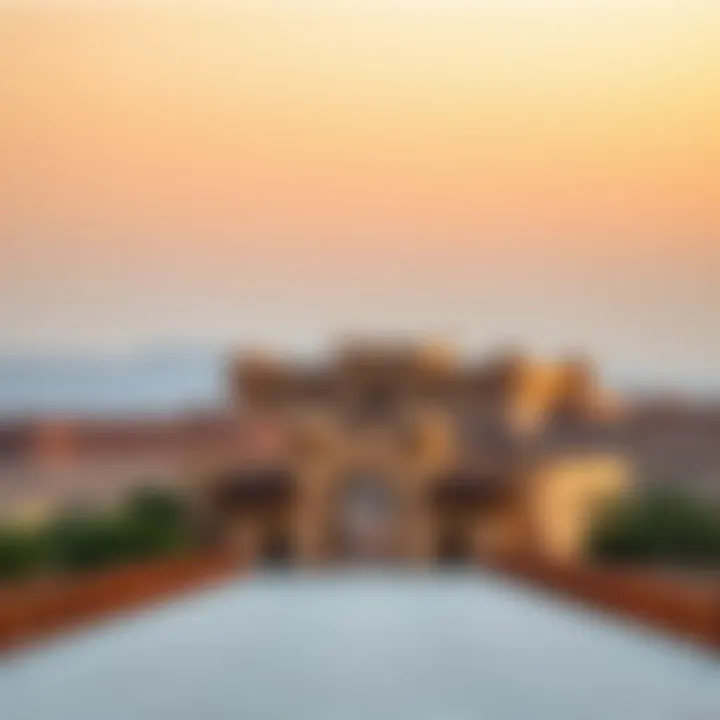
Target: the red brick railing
(690, 609)
(34, 609)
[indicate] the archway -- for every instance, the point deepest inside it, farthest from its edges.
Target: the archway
(276, 550)
(365, 520)
(453, 548)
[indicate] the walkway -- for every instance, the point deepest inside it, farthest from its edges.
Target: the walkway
(363, 646)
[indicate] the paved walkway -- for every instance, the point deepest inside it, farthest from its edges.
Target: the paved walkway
(363, 646)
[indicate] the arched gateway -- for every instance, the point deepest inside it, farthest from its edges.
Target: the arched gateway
(396, 453)
(364, 520)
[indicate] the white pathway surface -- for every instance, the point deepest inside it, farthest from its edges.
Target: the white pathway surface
(362, 646)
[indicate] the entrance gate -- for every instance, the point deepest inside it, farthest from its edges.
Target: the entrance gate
(365, 520)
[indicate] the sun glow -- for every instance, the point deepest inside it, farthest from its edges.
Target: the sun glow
(523, 143)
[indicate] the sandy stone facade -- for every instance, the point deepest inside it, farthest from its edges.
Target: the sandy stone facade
(402, 452)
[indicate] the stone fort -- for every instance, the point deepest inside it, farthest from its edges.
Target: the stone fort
(400, 451)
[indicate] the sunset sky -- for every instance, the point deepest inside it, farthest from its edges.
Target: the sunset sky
(541, 171)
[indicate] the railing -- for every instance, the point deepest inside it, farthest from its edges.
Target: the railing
(689, 608)
(44, 606)
(32, 610)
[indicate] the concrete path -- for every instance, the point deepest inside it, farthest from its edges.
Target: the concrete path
(362, 646)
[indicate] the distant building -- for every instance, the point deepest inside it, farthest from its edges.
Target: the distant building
(53, 463)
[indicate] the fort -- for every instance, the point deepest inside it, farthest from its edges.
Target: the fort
(400, 451)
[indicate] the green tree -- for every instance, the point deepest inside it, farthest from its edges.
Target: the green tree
(19, 552)
(659, 526)
(84, 541)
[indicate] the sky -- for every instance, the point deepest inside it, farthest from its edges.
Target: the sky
(536, 172)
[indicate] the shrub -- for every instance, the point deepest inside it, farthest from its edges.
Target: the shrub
(19, 554)
(157, 522)
(80, 542)
(661, 526)
(150, 523)
(161, 507)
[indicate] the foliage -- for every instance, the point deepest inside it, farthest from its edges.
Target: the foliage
(661, 526)
(19, 554)
(158, 507)
(82, 541)
(150, 523)
(156, 522)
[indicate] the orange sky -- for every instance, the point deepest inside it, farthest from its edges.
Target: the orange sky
(544, 170)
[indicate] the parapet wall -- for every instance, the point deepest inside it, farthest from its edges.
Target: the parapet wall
(681, 607)
(34, 610)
